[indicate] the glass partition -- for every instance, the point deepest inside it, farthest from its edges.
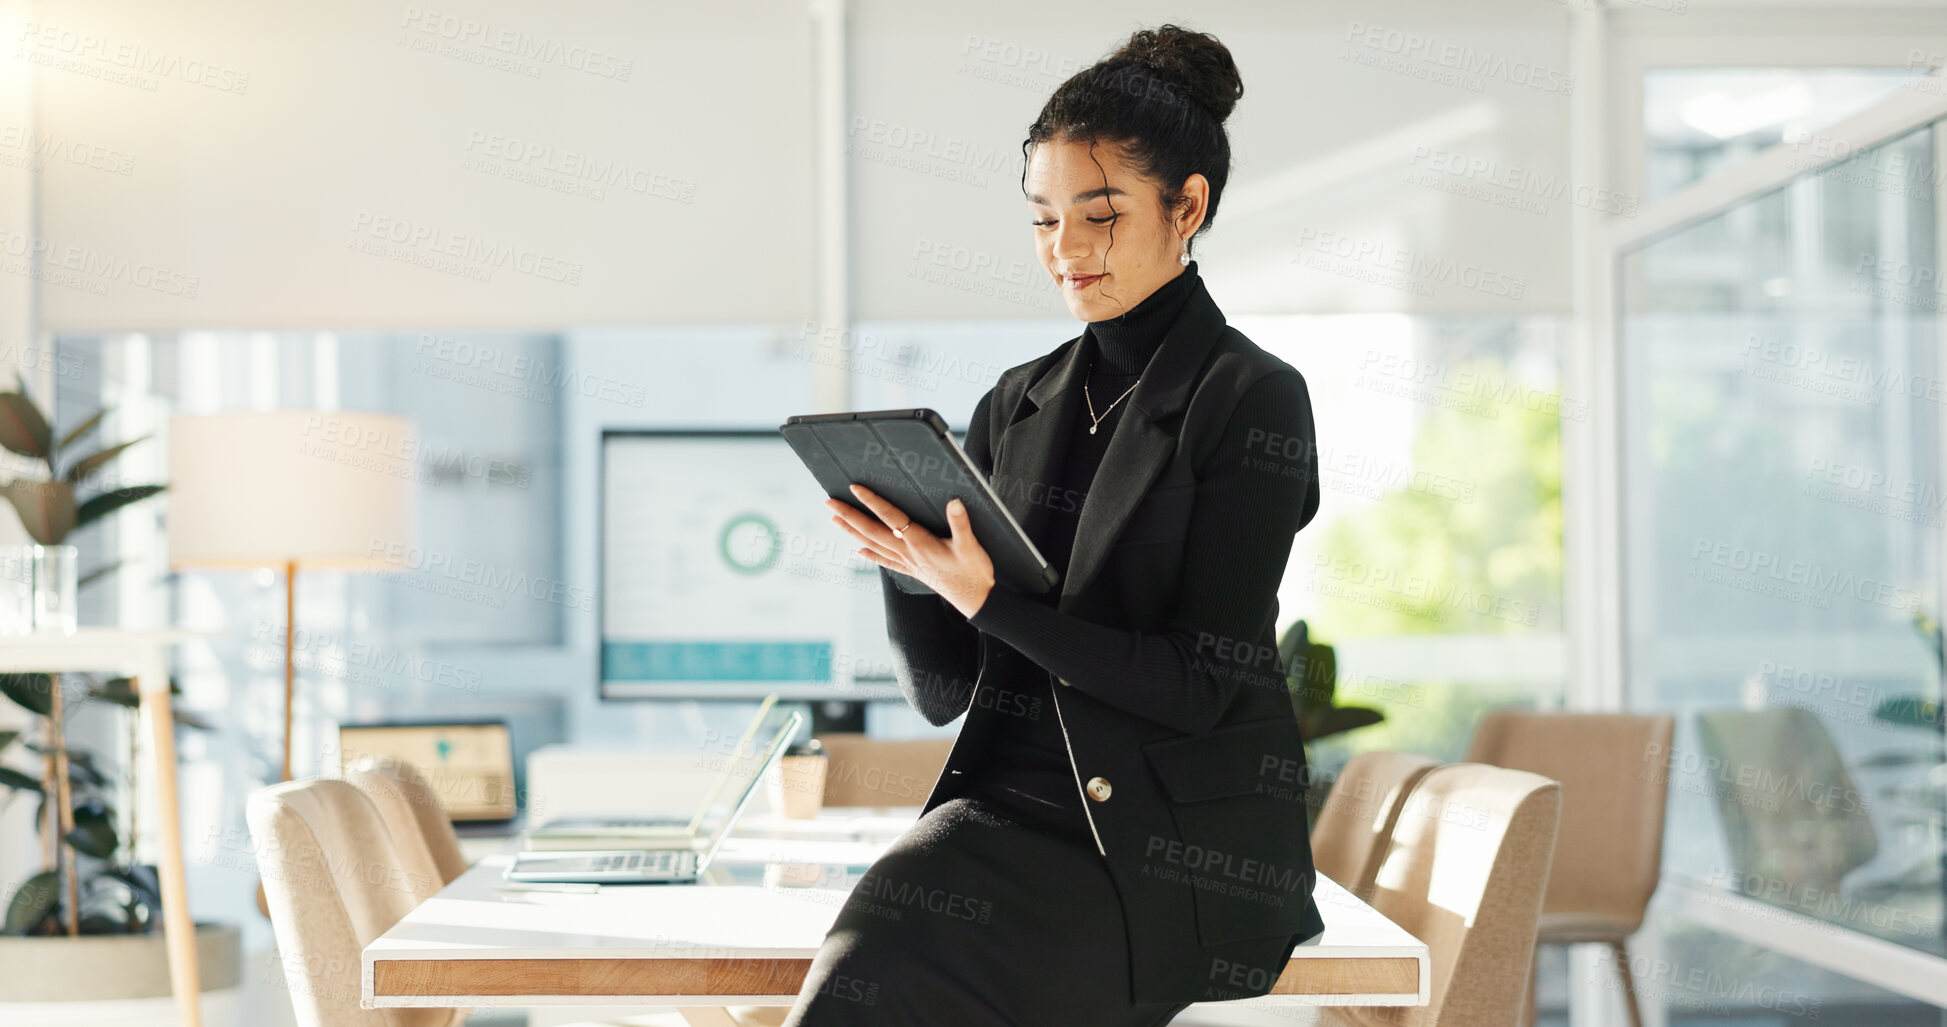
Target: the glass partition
(1782, 508)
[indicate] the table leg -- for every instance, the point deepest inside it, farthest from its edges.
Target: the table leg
(178, 929)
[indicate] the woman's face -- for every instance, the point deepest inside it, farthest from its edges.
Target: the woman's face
(1073, 210)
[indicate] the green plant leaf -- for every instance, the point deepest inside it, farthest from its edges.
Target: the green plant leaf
(111, 501)
(22, 428)
(81, 768)
(1910, 711)
(33, 692)
(1339, 719)
(94, 830)
(102, 923)
(1318, 675)
(94, 461)
(11, 778)
(1884, 760)
(82, 773)
(1295, 637)
(33, 902)
(46, 508)
(79, 430)
(120, 691)
(141, 882)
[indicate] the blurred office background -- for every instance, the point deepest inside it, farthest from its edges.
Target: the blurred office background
(1620, 321)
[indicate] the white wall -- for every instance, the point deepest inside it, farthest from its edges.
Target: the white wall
(271, 139)
(1325, 148)
(244, 155)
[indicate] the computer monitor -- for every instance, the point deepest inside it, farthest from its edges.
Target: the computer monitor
(722, 576)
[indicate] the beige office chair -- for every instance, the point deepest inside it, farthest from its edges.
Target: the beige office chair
(1355, 822)
(1464, 872)
(413, 815)
(335, 881)
(1610, 848)
(863, 771)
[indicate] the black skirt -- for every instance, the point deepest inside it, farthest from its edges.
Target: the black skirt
(995, 908)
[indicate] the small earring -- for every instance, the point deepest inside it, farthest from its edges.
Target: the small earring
(1184, 257)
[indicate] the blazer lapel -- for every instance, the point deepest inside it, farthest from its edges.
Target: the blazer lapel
(1138, 451)
(1029, 450)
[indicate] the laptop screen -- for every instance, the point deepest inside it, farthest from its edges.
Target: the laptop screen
(469, 765)
(748, 765)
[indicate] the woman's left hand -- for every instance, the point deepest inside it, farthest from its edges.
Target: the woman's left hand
(958, 567)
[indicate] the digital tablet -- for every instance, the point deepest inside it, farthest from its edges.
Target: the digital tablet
(908, 457)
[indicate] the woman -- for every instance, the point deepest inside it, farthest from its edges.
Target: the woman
(1120, 829)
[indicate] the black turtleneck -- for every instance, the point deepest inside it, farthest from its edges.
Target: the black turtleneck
(1124, 343)
(1117, 351)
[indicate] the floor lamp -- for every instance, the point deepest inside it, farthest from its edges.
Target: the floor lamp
(290, 489)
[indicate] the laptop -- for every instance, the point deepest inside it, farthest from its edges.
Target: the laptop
(662, 865)
(468, 763)
(648, 832)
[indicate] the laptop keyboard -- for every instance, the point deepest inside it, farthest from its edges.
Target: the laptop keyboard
(662, 862)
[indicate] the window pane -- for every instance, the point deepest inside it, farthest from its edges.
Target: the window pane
(1782, 513)
(1700, 977)
(1697, 121)
(1433, 567)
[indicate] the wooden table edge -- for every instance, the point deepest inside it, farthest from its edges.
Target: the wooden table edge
(394, 981)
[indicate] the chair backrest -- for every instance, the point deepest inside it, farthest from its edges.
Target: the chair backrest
(412, 812)
(865, 771)
(1356, 820)
(1465, 872)
(334, 882)
(1612, 769)
(1791, 814)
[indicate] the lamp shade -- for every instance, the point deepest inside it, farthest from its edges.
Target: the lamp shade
(318, 488)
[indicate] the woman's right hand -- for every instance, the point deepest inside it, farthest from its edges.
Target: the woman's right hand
(956, 567)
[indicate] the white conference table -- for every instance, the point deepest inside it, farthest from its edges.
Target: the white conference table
(747, 935)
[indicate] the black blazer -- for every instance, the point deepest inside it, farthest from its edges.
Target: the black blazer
(1204, 834)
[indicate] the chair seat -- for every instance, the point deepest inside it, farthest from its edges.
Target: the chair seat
(1575, 928)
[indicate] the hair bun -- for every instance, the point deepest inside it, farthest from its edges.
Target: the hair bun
(1196, 61)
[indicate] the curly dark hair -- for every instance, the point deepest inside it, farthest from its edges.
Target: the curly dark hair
(1162, 97)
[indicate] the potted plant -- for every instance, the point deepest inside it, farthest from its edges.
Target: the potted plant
(50, 508)
(1919, 801)
(90, 906)
(1312, 675)
(85, 927)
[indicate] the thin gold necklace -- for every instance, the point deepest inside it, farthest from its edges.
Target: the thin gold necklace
(1091, 401)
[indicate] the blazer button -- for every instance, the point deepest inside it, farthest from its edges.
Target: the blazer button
(1098, 789)
(1064, 681)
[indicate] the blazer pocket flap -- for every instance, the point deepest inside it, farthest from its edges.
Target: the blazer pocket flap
(1256, 756)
